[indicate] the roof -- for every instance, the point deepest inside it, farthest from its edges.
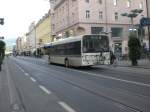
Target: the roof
(66, 40)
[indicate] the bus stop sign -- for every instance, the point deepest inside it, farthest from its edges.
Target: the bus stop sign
(145, 22)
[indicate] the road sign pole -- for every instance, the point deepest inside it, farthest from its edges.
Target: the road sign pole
(149, 37)
(146, 22)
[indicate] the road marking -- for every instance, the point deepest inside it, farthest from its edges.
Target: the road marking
(32, 79)
(113, 78)
(20, 68)
(45, 89)
(15, 107)
(66, 107)
(26, 74)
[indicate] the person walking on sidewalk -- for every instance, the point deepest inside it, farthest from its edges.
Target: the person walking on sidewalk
(1, 61)
(113, 59)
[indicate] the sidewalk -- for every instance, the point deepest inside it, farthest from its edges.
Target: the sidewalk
(4, 93)
(143, 63)
(9, 99)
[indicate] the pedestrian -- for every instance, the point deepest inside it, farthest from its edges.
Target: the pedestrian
(113, 60)
(1, 62)
(112, 57)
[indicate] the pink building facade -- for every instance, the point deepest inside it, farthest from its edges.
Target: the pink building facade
(77, 17)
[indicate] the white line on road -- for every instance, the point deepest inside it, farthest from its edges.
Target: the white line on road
(20, 68)
(66, 107)
(45, 89)
(32, 79)
(113, 78)
(26, 74)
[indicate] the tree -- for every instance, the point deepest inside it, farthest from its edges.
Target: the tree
(2, 49)
(134, 49)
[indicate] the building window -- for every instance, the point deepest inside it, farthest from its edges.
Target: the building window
(100, 15)
(97, 30)
(116, 16)
(115, 2)
(87, 14)
(100, 1)
(117, 32)
(141, 5)
(87, 1)
(129, 3)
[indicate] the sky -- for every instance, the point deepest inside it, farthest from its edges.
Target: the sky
(18, 15)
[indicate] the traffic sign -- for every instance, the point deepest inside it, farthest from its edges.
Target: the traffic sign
(2, 37)
(2, 21)
(144, 22)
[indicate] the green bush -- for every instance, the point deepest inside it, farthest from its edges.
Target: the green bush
(134, 49)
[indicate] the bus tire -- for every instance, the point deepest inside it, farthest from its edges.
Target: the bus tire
(66, 63)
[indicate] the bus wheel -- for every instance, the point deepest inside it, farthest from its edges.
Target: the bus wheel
(67, 63)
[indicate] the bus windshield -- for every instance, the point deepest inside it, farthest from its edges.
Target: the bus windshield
(95, 43)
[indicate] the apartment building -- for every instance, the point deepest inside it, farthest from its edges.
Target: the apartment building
(77, 17)
(18, 46)
(21, 45)
(27, 44)
(148, 7)
(32, 37)
(43, 31)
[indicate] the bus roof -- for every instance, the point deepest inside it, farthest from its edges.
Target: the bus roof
(67, 40)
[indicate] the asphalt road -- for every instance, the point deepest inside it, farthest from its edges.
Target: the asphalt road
(52, 88)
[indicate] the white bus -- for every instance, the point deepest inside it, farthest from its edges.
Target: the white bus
(85, 50)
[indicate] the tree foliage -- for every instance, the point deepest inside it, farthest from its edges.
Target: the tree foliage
(2, 49)
(134, 49)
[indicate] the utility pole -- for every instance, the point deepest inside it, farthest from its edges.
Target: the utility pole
(148, 14)
(106, 19)
(35, 27)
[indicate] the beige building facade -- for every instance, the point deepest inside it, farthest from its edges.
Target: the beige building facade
(18, 46)
(32, 37)
(43, 31)
(77, 17)
(24, 43)
(21, 44)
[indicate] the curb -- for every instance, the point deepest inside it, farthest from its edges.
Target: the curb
(134, 66)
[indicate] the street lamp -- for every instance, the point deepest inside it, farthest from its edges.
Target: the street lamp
(132, 14)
